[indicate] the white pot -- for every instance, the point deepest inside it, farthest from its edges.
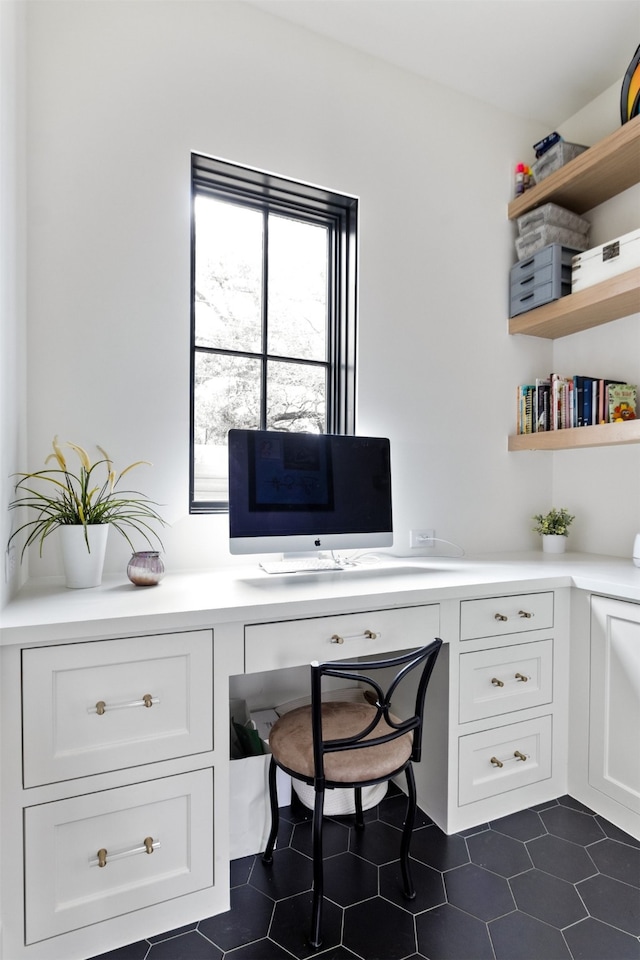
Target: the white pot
(82, 566)
(552, 543)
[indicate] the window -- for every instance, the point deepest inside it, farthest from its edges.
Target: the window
(273, 284)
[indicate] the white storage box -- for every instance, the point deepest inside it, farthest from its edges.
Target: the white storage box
(607, 260)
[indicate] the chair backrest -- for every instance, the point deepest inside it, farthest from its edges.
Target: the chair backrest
(359, 672)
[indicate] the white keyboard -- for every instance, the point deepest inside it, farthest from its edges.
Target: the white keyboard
(303, 565)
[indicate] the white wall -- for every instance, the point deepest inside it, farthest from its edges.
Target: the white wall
(118, 96)
(602, 486)
(12, 274)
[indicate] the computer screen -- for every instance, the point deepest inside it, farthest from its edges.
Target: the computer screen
(297, 492)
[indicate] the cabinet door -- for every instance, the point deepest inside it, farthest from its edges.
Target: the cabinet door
(614, 717)
(104, 705)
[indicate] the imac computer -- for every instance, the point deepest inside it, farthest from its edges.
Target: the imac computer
(302, 493)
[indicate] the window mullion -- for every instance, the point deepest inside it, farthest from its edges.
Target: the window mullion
(265, 320)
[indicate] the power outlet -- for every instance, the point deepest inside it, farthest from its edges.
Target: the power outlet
(10, 564)
(421, 539)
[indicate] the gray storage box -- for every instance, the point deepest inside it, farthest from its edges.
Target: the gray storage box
(555, 158)
(548, 233)
(554, 214)
(544, 277)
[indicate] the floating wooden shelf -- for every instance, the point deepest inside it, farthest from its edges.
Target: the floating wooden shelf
(602, 435)
(603, 302)
(601, 172)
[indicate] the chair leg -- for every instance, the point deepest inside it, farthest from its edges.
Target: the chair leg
(359, 814)
(315, 938)
(409, 889)
(267, 856)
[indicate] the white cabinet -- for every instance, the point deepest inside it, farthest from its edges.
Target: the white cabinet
(614, 701)
(504, 747)
(109, 813)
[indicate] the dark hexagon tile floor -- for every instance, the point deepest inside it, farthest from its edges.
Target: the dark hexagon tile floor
(555, 882)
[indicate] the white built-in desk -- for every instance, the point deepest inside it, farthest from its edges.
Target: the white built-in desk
(115, 718)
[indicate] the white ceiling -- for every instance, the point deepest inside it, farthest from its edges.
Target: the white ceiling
(539, 59)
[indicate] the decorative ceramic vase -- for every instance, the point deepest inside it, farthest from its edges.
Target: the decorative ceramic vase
(553, 543)
(83, 566)
(145, 568)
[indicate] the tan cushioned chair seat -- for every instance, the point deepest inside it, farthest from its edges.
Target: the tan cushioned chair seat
(291, 743)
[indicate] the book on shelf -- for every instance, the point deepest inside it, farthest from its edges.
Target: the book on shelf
(623, 402)
(542, 390)
(603, 399)
(557, 402)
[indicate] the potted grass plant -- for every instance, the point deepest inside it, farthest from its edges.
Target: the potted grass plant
(83, 501)
(553, 527)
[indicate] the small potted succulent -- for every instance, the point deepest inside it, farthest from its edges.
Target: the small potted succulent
(83, 502)
(553, 527)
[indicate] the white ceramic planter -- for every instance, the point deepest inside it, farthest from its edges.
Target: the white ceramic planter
(552, 543)
(83, 567)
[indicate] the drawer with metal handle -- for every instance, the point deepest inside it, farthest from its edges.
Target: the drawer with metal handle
(99, 706)
(100, 855)
(291, 643)
(504, 758)
(502, 679)
(498, 616)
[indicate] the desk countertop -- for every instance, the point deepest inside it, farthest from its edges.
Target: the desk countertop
(191, 600)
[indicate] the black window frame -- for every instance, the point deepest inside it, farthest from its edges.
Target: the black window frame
(271, 193)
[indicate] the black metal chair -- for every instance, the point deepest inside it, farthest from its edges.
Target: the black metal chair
(351, 744)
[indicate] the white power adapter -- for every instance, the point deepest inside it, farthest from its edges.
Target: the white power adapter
(636, 550)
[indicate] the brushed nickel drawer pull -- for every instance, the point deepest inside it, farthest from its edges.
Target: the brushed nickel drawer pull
(148, 845)
(496, 682)
(517, 755)
(366, 635)
(521, 677)
(521, 613)
(101, 707)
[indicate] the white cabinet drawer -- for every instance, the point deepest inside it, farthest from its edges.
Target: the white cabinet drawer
(498, 616)
(65, 886)
(488, 762)
(65, 733)
(270, 646)
(505, 678)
